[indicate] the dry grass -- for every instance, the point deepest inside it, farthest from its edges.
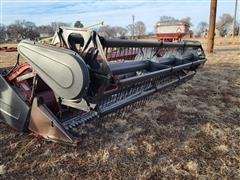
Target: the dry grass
(13, 44)
(219, 41)
(191, 132)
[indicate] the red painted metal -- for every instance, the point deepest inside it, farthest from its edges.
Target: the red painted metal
(169, 37)
(11, 49)
(18, 71)
(121, 54)
(6, 49)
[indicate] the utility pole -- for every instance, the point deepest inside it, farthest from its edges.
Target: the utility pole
(211, 28)
(234, 19)
(133, 24)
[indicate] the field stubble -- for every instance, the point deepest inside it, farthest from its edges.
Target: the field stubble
(191, 132)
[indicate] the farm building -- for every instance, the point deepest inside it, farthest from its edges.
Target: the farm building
(172, 31)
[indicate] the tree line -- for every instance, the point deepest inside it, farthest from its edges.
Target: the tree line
(224, 25)
(136, 29)
(22, 29)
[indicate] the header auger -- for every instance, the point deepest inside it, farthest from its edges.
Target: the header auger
(83, 76)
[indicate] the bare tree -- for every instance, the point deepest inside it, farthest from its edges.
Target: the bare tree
(45, 29)
(107, 31)
(224, 24)
(201, 28)
(120, 31)
(140, 28)
(15, 31)
(30, 30)
(167, 19)
(22, 29)
(3, 34)
(187, 20)
(130, 29)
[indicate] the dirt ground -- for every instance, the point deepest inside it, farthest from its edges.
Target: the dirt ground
(191, 132)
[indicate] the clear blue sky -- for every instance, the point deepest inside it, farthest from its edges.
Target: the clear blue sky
(115, 12)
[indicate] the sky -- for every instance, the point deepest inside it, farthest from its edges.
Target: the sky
(114, 13)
